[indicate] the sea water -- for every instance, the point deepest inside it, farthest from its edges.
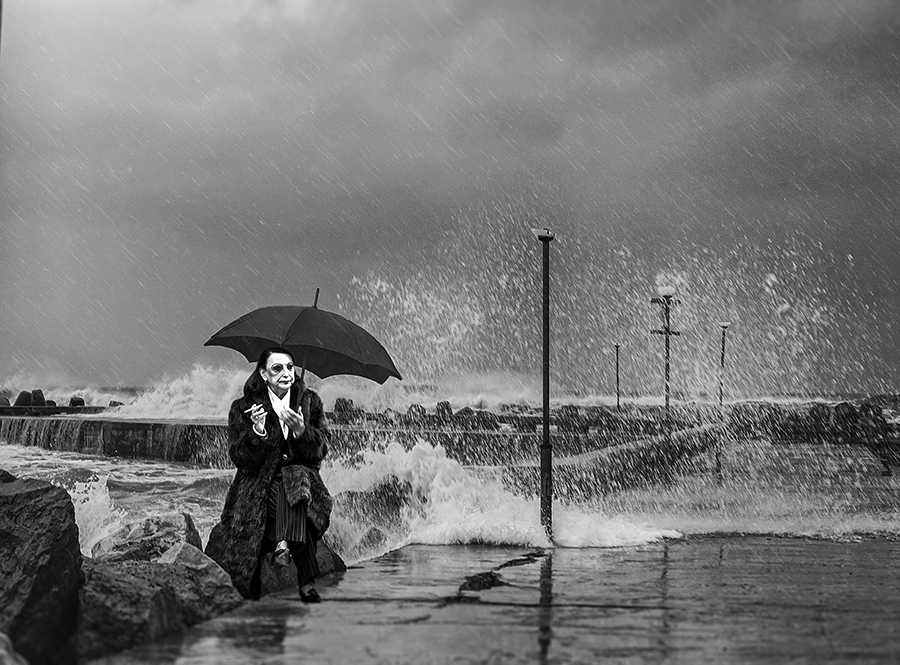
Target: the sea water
(814, 491)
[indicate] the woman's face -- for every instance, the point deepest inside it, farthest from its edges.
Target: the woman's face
(279, 373)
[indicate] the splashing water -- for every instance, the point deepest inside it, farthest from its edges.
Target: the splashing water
(389, 496)
(203, 393)
(471, 306)
(95, 513)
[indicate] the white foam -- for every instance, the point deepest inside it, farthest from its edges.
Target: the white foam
(95, 513)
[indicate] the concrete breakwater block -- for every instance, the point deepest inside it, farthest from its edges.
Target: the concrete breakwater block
(34, 403)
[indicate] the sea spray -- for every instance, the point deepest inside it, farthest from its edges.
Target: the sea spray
(204, 393)
(448, 503)
(95, 513)
(61, 389)
(815, 490)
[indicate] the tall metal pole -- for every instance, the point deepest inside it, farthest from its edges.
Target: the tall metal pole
(546, 237)
(666, 300)
(668, 327)
(618, 405)
(724, 327)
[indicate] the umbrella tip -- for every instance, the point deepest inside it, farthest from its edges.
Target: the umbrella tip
(316, 301)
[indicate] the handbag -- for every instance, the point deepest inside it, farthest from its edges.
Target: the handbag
(295, 478)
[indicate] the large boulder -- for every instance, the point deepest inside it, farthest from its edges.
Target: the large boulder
(125, 603)
(210, 592)
(8, 653)
(147, 540)
(40, 566)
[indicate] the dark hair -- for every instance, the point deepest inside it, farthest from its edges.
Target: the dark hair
(255, 385)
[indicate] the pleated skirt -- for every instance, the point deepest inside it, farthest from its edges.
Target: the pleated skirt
(290, 521)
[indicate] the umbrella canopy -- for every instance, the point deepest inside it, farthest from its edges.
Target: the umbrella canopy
(323, 342)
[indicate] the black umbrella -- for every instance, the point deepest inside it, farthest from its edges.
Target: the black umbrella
(323, 342)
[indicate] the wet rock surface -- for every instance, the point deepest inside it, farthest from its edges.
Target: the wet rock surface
(40, 566)
(128, 602)
(8, 653)
(279, 578)
(149, 539)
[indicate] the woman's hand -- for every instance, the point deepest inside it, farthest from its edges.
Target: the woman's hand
(258, 418)
(294, 420)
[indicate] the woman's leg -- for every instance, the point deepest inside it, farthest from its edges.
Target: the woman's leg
(256, 580)
(304, 556)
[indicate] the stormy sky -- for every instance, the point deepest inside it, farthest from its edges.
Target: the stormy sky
(168, 165)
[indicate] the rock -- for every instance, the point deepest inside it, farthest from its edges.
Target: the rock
(147, 540)
(24, 399)
(374, 539)
(329, 561)
(569, 419)
(275, 578)
(114, 403)
(344, 410)
(872, 421)
(211, 592)
(8, 653)
(40, 566)
(468, 418)
(281, 578)
(444, 411)
(845, 421)
(51, 402)
(4, 400)
(415, 412)
(76, 401)
(214, 548)
(120, 609)
(381, 508)
(37, 398)
(126, 603)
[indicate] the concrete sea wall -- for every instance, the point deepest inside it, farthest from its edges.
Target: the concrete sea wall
(594, 446)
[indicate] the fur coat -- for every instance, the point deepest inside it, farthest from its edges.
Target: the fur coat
(258, 460)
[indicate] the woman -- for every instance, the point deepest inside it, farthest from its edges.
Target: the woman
(276, 423)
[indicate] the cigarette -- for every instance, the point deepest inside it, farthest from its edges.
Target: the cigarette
(250, 409)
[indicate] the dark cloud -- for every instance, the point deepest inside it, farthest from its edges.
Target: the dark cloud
(167, 165)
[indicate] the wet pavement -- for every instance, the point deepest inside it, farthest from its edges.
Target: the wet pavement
(723, 599)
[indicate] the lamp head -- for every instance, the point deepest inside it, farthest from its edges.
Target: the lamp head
(665, 291)
(544, 234)
(724, 324)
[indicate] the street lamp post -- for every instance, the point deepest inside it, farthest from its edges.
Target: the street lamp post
(724, 326)
(546, 236)
(666, 300)
(618, 405)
